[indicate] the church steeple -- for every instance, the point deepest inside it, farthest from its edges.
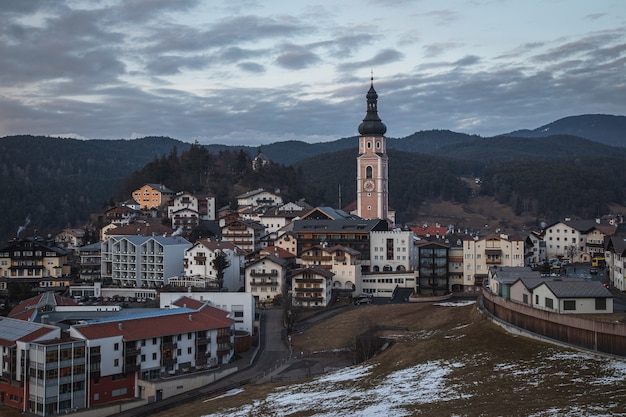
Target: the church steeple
(372, 125)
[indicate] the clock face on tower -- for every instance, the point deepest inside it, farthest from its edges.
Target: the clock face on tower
(369, 185)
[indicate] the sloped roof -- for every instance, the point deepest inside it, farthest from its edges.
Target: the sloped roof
(314, 269)
(327, 213)
(334, 248)
(343, 225)
(510, 274)
(275, 259)
(578, 289)
(214, 245)
(141, 229)
(165, 323)
(28, 309)
(432, 230)
(13, 330)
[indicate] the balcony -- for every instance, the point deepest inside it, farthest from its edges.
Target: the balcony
(491, 260)
(223, 339)
(310, 280)
(309, 299)
(263, 273)
(303, 289)
(316, 258)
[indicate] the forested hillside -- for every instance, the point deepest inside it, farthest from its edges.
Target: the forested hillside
(48, 183)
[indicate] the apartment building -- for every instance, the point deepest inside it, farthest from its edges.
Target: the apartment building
(142, 261)
(266, 277)
(343, 262)
(200, 269)
(311, 286)
(151, 196)
(479, 254)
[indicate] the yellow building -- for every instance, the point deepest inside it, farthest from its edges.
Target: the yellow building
(152, 196)
(35, 260)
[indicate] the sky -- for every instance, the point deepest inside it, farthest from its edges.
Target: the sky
(255, 72)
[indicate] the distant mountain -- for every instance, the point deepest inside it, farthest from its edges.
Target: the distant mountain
(603, 128)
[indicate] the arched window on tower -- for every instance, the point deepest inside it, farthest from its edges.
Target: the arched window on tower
(368, 172)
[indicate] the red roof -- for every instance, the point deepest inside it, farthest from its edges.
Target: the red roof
(425, 231)
(204, 318)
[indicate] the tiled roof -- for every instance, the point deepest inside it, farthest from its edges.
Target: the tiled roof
(27, 309)
(141, 229)
(12, 330)
(578, 289)
(172, 323)
(214, 245)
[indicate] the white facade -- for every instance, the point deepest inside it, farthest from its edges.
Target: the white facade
(481, 254)
(544, 298)
(392, 251)
(266, 278)
(343, 262)
(258, 198)
(142, 261)
(559, 239)
(239, 304)
(199, 259)
(311, 286)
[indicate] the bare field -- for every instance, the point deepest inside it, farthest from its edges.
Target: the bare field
(445, 361)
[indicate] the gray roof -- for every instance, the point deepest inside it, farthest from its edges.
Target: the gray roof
(578, 289)
(510, 274)
(343, 225)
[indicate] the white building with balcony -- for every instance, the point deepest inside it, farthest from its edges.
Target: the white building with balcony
(142, 261)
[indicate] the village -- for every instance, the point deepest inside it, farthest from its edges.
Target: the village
(174, 285)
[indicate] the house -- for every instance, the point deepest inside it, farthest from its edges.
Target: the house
(260, 161)
(240, 305)
(563, 296)
(276, 218)
(121, 214)
(138, 228)
(287, 241)
(151, 196)
(615, 255)
(70, 238)
(243, 233)
(343, 262)
(186, 210)
(34, 260)
(142, 261)
(311, 286)
(535, 248)
(199, 266)
(259, 198)
(502, 278)
(351, 232)
(577, 240)
(430, 232)
(266, 278)
(480, 254)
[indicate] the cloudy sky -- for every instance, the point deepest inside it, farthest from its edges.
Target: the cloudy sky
(261, 71)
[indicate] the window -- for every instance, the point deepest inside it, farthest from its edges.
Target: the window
(525, 298)
(116, 346)
(368, 172)
(549, 303)
(116, 362)
(600, 303)
(154, 356)
(569, 305)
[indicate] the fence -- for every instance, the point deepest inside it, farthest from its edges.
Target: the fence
(594, 335)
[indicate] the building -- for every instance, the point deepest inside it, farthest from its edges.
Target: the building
(90, 262)
(433, 275)
(70, 238)
(186, 210)
(152, 196)
(36, 261)
(392, 250)
(200, 269)
(266, 278)
(343, 262)
(480, 254)
(240, 305)
(372, 164)
(563, 296)
(351, 232)
(311, 286)
(245, 234)
(259, 198)
(577, 240)
(142, 261)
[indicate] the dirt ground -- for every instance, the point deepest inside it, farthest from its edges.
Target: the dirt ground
(423, 333)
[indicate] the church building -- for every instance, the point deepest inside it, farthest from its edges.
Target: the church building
(372, 165)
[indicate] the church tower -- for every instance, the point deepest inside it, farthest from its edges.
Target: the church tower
(372, 164)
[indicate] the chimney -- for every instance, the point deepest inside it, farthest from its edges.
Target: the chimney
(119, 326)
